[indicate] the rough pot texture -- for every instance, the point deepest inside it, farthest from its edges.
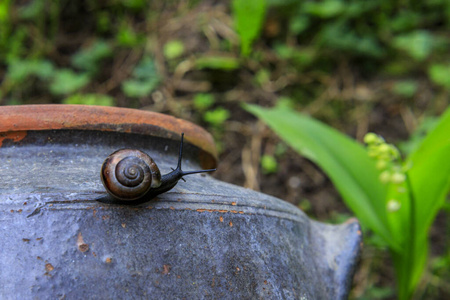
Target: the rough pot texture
(202, 239)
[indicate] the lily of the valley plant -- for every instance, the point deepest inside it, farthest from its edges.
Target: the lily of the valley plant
(396, 198)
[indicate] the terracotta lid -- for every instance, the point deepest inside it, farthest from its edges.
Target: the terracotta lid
(15, 121)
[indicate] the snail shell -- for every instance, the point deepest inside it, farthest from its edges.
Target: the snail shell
(129, 174)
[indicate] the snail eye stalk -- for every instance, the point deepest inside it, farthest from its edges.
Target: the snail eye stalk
(180, 157)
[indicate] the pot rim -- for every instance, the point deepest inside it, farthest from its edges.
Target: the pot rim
(16, 121)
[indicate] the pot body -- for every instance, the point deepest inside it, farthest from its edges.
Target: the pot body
(203, 239)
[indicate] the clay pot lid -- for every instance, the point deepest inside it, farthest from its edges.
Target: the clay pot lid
(15, 121)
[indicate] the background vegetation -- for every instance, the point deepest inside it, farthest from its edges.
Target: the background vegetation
(359, 66)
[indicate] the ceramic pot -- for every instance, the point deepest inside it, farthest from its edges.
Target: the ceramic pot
(204, 239)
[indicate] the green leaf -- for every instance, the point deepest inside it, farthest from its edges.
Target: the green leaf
(345, 161)
(226, 63)
(269, 164)
(88, 59)
(15, 43)
(341, 36)
(5, 13)
(409, 269)
(248, 20)
(137, 88)
(146, 69)
(406, 88)
(217, 117)
(405, 20)
(430, 173)
(262, 77)
(281, 2)
(90, 99)
(145, 79)
(325, 9)
(127, 37)
(430, 182)
(173, 49)
(418, 44)
(67, 81)
(134, 4)
(103, 21)
(301, 57)
(440, 74)
(203, 101)
(19, 70)
(32, 10)
(299, 24)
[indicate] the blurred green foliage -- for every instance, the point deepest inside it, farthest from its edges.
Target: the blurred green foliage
(144, 80)
(226, 63)
(127, 37)
(203, 101)
(398, 38)
(268, 164)
(127, 53)
(66, 81)
(173, 49)
(405, 88)
(217, 117)
(249, 17)
(440, 74)
(89, 99)
(375, 29)
(20, 70)
(89, 59)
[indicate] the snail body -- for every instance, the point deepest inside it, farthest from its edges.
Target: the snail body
(131, 176)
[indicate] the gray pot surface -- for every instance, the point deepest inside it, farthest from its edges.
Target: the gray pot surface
(204, 239)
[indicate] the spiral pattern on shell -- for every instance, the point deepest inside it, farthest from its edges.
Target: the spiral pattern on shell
(129, 174)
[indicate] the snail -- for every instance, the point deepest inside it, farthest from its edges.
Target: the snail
(131, 176)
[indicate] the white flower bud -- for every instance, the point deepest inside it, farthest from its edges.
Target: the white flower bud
(381, 164)
(384, 149)
(393, 205)
(398, 178)
(385, 176)
(370, 138)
